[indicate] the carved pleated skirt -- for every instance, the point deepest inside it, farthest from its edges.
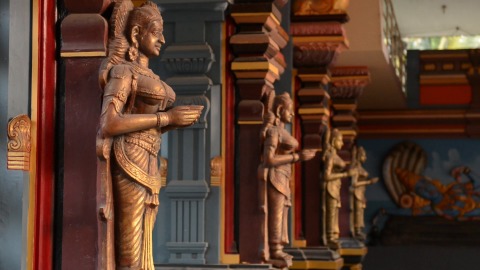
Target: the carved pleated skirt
(135, 211)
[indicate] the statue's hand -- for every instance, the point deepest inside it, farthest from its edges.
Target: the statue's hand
(307, 154)
(184, 115)
(374, 180)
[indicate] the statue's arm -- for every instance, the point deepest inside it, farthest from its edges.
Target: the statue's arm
(113, 120)
(271, 159)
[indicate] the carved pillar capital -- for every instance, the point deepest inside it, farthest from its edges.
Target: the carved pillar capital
(347, 86)
(317, 43)
(348, 82)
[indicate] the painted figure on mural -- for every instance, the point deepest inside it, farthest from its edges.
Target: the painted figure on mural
(137, 108)
(358, 187)
(278, 154)
(334, 171)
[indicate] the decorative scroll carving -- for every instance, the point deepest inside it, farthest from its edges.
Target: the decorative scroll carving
(200, 62)
(18, 157)
(216, 171)
(348, 89)
(316, 54)
(317, 28)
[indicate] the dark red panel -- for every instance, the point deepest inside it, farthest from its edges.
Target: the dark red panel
(86, 6)
(250, 216)
(344, 212)
(76, 39)
(44, 185)
(298, 233)
(82, 111)
(312, 198)
(445, 94)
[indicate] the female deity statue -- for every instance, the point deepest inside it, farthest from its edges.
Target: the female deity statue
(137, 108)
(358, 187)
(334, 171)
(274, 172)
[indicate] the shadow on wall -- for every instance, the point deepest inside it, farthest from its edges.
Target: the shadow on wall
(421, 258)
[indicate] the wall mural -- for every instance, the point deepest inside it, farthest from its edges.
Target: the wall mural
(419, 191)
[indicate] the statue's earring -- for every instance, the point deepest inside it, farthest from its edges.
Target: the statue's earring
(133, 51)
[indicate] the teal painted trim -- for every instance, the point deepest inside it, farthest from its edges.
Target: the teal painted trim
(187, 189)
(187, 252)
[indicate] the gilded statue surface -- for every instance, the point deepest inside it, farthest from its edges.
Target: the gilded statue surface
(358, 187)
(137, 108)
(319, 7)
(278, 154)
(334, 171)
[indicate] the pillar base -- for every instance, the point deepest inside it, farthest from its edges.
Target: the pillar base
(315, 258)
(214, 267)
(353, 252)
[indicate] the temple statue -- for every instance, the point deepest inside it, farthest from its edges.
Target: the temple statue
(137, 108)
(278, 154)
(334, 171)
(357, 188)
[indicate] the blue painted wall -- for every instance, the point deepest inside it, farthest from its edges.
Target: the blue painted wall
(443, 155)
(14, 100)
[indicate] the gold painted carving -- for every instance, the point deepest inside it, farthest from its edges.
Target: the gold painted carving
(163, 171)
(19, 143)
(216, 171)
(319, 7)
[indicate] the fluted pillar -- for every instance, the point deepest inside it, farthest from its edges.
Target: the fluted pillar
(188, 223)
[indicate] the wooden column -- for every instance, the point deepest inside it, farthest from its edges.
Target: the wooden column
(84, 33)
(346, 87)
(257, 64)
(316, 45)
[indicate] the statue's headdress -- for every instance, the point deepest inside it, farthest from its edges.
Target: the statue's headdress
(124, 17)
